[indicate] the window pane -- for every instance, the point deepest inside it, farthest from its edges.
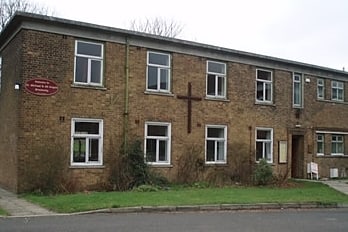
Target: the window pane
(87, 128)
(215, 133)
(340, 148)
(153, 130)
(264, 75)
(162, 151)
(340, 94)
(95, 71)
(221, 86)
(210, 150)
(151, 150)
(216, 67)
(268, 92)
(79, 150)
(334, 94)
(221, 151)
(297, 88)
(259, 91)
(263, 134)
(211, 85)
(89, 49)
(268, 153)
(152, 77)
(93, 150)
(164, 79)
(159, 59)
(259, 151)
(320, 147)
(81, 69)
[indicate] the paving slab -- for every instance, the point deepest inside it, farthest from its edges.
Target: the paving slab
(339, 185)
(20, 207)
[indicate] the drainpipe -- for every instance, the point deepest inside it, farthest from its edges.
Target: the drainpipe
(126, 99)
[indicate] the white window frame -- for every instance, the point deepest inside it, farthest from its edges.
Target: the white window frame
(322, 142)
(336, 142)
(90, 58)
(217, 77)
(297, 83)
(264, 87)
(216, 140)
(159, 138)
(159, 67)
(88, 137)
(320, 88)
(264, 141)
(337, 86)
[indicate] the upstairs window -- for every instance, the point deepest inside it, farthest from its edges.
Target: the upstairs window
(216, 79)
(157, 143)
(158, 72)
(264, 144)
(86, 141)
(337, 145)
(88, 63)
(297, 90)
(321, 89)
(216, 144)
(263, 86)
(337, 91)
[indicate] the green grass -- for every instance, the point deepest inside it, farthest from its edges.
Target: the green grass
(3, 212)
(304, 192)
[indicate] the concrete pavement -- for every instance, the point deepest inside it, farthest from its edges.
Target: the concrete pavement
(20, 207)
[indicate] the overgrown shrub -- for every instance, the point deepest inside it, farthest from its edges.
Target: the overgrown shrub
(263, 173)
(129, 170)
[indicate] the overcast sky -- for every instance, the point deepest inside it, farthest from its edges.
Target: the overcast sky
(310, 31)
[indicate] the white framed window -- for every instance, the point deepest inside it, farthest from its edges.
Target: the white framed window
(320, 89)
(216, 79)
(337, 145)
(264, 86)
(0, 71)
(158, 72)
(264, 144)
(215, 144)
(157, 143)
(320, 144)
(297, 90)
(88, 63)
(337, 91)
(86, 141)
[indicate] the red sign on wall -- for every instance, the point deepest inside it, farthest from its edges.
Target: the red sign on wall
(41, 86)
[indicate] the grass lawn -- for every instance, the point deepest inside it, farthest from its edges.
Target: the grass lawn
(3, 212)
(301, 192)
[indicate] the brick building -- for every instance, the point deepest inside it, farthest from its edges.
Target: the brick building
(79, 90)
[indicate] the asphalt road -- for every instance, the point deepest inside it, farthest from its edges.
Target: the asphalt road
(286, 220)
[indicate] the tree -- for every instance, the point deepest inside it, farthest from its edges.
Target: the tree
(157, 26)
(9, 7)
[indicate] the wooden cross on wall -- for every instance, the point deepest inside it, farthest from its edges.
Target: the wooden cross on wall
(189, 99)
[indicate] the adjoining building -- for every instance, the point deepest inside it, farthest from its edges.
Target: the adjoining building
(79, 90)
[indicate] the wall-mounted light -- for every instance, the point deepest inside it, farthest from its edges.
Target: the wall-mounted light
(308, 80)
(17, 86)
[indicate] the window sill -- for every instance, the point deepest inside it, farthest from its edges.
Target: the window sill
(88, 87)
(332, 156)
(332, 101)
(265, 103)
(154, 165)
(216, 99)
(166, 94)
(216, 165)
(86, 166)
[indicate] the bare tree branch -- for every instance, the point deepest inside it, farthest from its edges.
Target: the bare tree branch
(9, 7)
(157, 26)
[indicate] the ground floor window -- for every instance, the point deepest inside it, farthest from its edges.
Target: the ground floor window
(157, 142)
(216, 145)
(86, 141)
(320, 144)
(264, 144)
(337, 145)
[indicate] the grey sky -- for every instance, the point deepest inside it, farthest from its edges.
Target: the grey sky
(310, 31)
